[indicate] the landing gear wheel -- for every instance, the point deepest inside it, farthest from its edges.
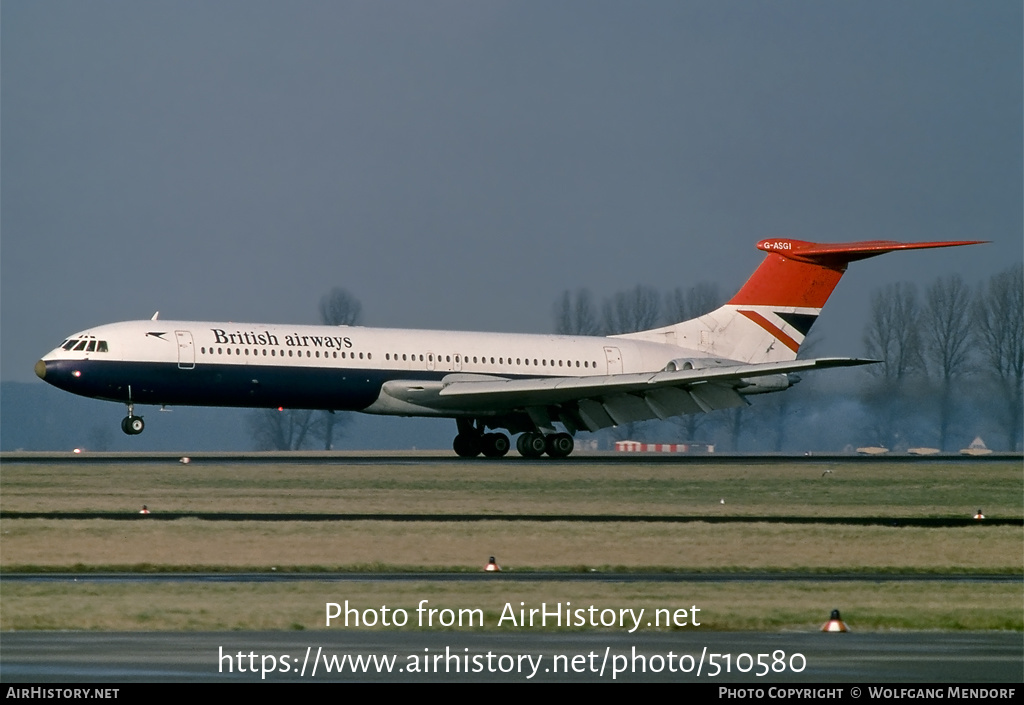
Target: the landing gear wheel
(559, 445)
(467, 445)
(531, 445)
(132, 425)
(495, 445)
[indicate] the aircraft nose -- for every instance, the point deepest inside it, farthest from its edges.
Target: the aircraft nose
(41, 370)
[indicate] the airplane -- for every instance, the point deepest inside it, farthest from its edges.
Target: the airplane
(488, 382)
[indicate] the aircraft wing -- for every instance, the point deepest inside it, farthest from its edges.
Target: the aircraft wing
(597, 402)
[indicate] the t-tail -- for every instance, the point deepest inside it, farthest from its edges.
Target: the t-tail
(769, 317)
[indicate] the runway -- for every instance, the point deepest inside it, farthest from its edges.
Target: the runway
(760, 576)
(445, 456)
(684, 656)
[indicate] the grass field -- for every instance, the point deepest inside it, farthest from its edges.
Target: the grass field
(875, 490)
(888, 490)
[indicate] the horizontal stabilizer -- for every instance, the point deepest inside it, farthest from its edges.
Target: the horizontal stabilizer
(837, 254)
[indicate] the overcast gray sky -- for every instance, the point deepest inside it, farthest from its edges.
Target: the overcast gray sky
(459, 164)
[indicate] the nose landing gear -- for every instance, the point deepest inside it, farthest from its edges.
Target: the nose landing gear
(131, 424)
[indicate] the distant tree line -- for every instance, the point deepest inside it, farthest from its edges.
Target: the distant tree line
(640, 308)
(951, 362)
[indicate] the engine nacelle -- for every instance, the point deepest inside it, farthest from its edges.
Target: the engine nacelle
(767, 383)
(697, 363)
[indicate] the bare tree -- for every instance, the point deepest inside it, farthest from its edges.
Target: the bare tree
(340, 308)
(999, 317)
(947, 343)
(633, 310)
(893, 337)
(294, 429)
(684, 304)
(893, 334)
(281, 429)
(575, 314)
(337, 308)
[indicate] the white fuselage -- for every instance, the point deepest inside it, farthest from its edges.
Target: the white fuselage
(320, 367)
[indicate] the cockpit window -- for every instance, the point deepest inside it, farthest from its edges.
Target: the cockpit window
(89, 344)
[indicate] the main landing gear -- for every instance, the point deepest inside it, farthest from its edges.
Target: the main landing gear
(131, 424)
(472, 441)
(534, 445)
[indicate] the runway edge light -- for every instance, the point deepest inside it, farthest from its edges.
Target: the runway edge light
(834, 624)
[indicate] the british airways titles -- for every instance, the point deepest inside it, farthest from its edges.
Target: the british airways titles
(222, 337)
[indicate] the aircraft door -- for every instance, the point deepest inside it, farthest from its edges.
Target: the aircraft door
(186, 350)
(614, 359)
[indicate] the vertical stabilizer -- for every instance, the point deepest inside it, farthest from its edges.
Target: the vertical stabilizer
(769, 317)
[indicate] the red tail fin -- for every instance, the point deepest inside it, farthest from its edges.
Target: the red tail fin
(768, 318)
